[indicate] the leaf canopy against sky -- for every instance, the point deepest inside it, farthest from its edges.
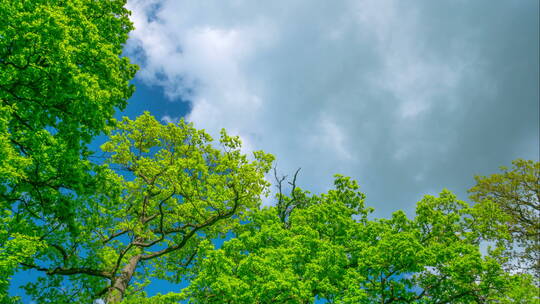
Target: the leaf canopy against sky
(179, 191)
(509, 202)
(328, 249)
(62, 76)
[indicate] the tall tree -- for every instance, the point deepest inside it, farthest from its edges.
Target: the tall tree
(508, 204)
(176, 190)
(61, 78)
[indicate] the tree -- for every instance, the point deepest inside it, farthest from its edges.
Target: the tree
(176, 191)
(166, 192)
(327, 248)
(61, 78)
(508, 204)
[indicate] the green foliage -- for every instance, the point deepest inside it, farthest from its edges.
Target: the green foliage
(521, 290)
(11, 170)
(61, 78)
(15, 249)
(508, 210)
(166, 192)
(141, 298)
(177, 191)
(329, 249)
(60, 64)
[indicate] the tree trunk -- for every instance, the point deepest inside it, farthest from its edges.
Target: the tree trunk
(120, 284)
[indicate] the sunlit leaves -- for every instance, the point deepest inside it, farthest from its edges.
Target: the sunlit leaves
(61, 78)
(163, 193)
(14, 249)
(330, 250)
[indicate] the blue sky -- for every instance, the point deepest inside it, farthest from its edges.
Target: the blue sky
(407, 97)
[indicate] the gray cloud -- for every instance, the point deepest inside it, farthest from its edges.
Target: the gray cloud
(406, 97)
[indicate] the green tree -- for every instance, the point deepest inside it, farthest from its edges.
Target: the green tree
(16, 249)
(175, 193)
(166, 191)
(508, 205)
(61, 77)
(327, 248)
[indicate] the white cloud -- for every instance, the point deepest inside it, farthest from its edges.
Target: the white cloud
(371, 89)
(168, 119)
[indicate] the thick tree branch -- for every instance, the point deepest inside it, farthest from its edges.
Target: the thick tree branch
(70, 271)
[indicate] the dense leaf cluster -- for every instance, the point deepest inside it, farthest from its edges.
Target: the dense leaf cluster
(61, 78)
(329, 249)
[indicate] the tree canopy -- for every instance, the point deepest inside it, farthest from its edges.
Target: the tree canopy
(61, 78)
(328, 249)
(168, 202)
(509, 206)
(177, 191)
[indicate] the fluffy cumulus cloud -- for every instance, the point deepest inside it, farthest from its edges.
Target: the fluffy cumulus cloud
(406, 97)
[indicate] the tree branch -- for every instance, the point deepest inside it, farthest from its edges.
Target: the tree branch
(190, 234)
(70, 271)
